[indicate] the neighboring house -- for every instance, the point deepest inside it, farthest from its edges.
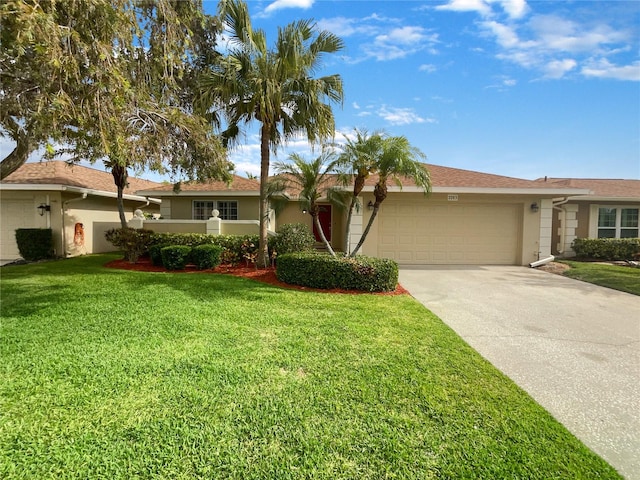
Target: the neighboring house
(610, 210)
(76, 202)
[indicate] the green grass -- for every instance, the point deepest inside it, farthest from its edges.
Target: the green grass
(117, 375)
(625, 279)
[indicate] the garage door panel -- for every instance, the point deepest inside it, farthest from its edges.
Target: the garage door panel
(449, 234)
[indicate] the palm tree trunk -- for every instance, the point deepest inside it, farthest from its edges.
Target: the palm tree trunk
(263, 247)
(376, 207)
(316, 220)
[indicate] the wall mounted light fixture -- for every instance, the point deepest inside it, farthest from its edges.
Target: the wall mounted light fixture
(370, 205)
(43, 208)
(534, 207)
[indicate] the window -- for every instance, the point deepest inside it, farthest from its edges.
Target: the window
(228, 210)
(202, 209)
(617, 222)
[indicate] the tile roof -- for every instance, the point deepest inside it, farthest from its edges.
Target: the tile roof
(61, 173)
(456, 177)
(600, 187)
(237, 184)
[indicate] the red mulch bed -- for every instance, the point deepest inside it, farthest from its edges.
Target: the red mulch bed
(266, 275)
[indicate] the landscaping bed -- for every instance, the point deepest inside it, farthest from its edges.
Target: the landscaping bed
(264, 275)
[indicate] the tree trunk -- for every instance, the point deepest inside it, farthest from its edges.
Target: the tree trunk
(316, 221)
(120, 179)
(263, 246)
(374, 214)
(17, 157)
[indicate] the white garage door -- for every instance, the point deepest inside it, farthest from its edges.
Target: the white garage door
(14, 214)
(427, 233)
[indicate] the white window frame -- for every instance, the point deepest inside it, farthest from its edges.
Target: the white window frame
(595, 214)
(215, 204)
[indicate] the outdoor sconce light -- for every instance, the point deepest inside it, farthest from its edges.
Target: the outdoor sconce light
(304, 212)
(534, 207)
(43, 208)
(370, 205)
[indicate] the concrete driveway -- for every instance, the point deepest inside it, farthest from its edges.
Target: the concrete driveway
(573, 346)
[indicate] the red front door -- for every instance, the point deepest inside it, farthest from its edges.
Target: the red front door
(324, 217)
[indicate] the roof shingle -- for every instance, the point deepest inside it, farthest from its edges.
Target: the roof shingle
(61, 173)
(600, 187)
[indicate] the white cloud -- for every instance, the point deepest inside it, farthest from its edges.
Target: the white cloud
(479, 6)
(604, 69)
(558, 68)
(427, 67)
(402, 116)
(355, 105)
(401, 42)
(281, 4)
(514, 8)
(557, 34)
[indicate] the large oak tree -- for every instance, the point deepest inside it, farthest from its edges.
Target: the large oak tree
(107, 80)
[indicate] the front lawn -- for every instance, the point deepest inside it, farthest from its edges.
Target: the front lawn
(625, 279)
(115, 374)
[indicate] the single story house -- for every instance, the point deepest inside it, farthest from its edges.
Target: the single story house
(78, 203)
(469, 218)
(610, 210)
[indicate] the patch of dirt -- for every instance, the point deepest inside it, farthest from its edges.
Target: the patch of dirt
(554, 267)
(264, 275)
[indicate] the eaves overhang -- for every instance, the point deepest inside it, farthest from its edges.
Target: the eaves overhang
(201, 193)
(42, 187)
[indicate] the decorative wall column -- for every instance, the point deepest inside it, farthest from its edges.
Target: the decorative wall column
(569, 225)
(357, 227)
(214, 224)
(546, 217)
(137, 222)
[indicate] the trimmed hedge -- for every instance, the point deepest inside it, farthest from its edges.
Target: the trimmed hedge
(134, 243)
(35, 243)
(175, 257)
(607, 248)
(236, 248)
(206, 256)
(317, 270)
(293, 238)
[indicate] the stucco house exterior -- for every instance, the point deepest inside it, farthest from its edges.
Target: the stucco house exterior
(469, 218)
(78, 203)
(609, 210)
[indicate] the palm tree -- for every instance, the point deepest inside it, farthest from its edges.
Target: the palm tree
(273, 86)
(397, 159)
(359, 156)
(312, 181)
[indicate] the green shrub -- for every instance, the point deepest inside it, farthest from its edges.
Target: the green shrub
(35, 243)
(155, 254)
(206, 256)
(292, 238)
(323, 271)
(236, 248)
(175, 257)
(134, 243)
(606, 248)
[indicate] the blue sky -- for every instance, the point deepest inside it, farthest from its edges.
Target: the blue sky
(516, 88)
(510, 87)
